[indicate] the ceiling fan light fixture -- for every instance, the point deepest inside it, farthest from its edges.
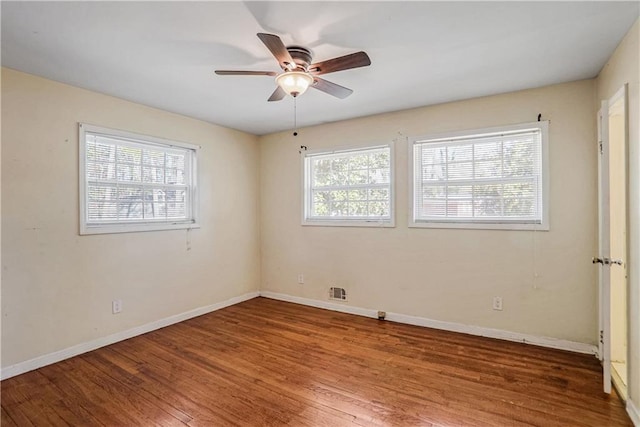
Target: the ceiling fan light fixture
(294, 82)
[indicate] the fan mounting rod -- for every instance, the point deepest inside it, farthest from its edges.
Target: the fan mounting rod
(301, 56)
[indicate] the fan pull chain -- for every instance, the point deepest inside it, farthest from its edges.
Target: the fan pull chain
(295, 116)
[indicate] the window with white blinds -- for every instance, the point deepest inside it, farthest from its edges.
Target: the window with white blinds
(492, 178)
(133, 182)
(349, 187)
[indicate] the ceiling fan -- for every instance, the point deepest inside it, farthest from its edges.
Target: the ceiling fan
(298, 73)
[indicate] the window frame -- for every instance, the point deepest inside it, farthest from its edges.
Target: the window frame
(356, 222)
(87, 228)
(498, 224)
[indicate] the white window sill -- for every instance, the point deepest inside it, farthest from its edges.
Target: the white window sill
(480, 225)
(134, 228)
(349, 223)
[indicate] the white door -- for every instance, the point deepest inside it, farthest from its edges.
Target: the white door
(612, 211)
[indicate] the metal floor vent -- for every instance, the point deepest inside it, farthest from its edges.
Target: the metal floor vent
(338, 294)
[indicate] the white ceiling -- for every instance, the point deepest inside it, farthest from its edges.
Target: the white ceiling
(163, 54)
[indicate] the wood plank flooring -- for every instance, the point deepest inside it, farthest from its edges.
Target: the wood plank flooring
(271, 363)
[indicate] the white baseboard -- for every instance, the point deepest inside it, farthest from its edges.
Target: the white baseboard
(48, 359)
(634, 413)
(327, 305)
(618, 384)
(559, 344)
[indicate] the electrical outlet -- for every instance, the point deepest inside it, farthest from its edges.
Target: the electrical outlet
(497, 303)
(116, 306)
(300, 279)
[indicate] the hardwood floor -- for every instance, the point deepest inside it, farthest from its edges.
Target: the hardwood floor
(266, 362)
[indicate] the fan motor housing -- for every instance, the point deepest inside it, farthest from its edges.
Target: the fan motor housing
(301, 56)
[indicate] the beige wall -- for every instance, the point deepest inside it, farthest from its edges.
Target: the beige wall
(57, 286)
(0, 224)
(545, 278)
(623, 67)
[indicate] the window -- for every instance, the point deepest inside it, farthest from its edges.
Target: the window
(132, 182)
(490, 178)
(349, 187)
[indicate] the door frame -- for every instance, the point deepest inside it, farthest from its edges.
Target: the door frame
(604, 285)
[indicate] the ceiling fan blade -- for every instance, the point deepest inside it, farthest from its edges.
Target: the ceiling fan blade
(278, 49)
(277, 94)
(245, 73)
(353, 60)
(331, 88)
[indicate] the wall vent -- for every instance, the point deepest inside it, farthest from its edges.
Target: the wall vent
(339, 294)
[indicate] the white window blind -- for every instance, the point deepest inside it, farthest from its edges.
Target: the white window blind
(494, 177)
(133, 183)
(349, 186)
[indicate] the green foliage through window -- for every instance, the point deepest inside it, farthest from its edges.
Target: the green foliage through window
(349, 185)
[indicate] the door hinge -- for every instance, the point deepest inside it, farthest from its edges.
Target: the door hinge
(601, 336)
(600, 147)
